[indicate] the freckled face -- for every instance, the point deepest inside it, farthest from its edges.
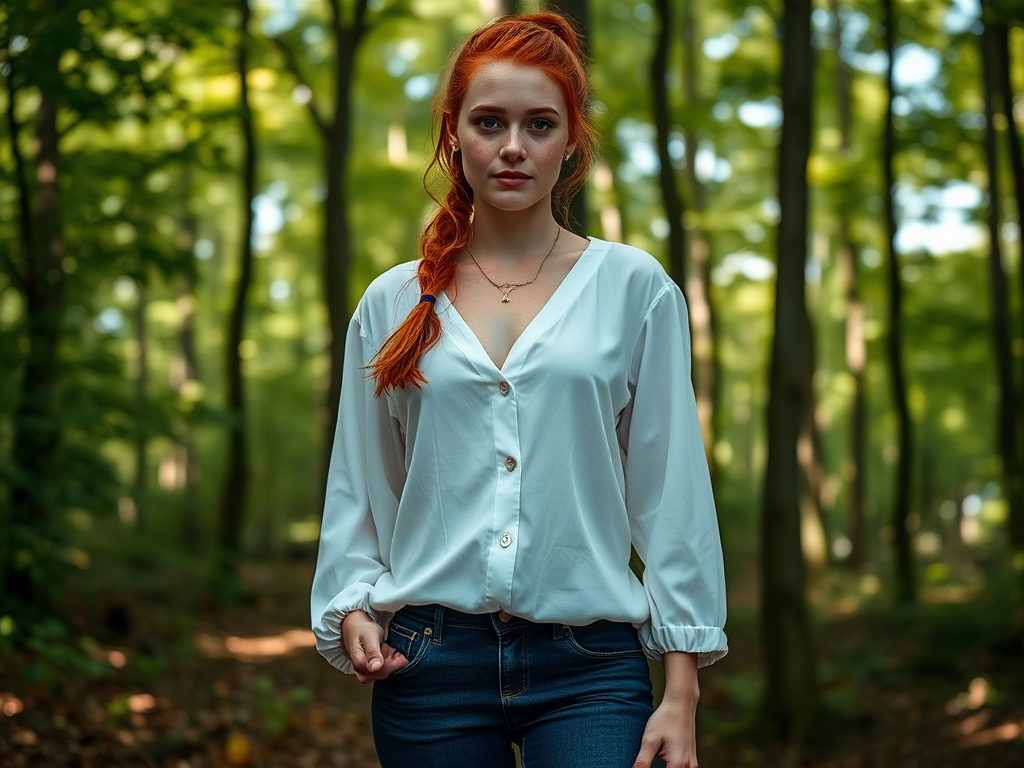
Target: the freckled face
(513, 132)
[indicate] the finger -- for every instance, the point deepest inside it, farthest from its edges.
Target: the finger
(648, 749)
(393, 661)
(372, 659)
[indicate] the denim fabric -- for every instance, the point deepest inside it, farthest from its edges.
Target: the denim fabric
(570, 697)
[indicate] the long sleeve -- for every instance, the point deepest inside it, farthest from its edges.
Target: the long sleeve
(364, 484)
(669, 501)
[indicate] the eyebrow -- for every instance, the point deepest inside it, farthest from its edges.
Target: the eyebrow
(501, 111)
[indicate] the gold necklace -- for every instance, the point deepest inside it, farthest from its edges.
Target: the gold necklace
(507, 288)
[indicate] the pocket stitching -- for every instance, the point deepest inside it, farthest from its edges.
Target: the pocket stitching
(409, 635)
(574, 645)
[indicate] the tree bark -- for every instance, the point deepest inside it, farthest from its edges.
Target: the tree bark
(338, 252)
(20, 166)
(856, 346)
(1000, 36)
(663, 126)
(904, 572)
(698, 295)
(141, 386)
(191, 528)
(790, 703)
(36, 422)
(234, 488)
(578, 11)
(185, 369)
(810, 452)
(1009, 448)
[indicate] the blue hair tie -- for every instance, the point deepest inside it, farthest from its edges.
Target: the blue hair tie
(427, 298)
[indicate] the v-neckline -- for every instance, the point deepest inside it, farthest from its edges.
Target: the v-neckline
(557, 302)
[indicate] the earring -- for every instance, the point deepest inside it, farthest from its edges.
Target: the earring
(566, 158)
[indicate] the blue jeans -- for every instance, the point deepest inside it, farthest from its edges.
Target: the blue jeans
(570, 697)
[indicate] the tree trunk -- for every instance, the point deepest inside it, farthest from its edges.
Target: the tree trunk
(1009, 448)
(141, 385)
(810, 452)
(856, 364)
(790, 703)
(36, 421)
(190, 531)
(1000, 36)
(1003, 76)
(234, 489)
(185, 370)
(904, 571)
(698, 293)
(338, 254)
(856, 345)
(663, 126)
(578, 11)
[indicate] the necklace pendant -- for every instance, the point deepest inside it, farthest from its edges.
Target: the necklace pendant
(505, 299)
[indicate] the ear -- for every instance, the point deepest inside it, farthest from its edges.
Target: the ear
(448, 130)
(569, 150)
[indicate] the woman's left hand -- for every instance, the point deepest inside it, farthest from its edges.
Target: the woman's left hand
(671, 731)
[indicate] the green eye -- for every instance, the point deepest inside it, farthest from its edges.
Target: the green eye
(487, 122)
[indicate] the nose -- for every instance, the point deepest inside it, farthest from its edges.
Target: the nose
(513, 148)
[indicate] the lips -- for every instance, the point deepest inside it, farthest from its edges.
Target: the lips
(511, 178)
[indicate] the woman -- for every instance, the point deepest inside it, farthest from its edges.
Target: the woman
(516, 412)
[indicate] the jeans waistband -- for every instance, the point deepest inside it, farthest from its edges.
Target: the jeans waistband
(439, 617)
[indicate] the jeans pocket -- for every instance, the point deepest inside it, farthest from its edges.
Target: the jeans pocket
(412, 642)
(604, 640)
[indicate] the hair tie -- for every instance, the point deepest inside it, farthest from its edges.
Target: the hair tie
(427, 298)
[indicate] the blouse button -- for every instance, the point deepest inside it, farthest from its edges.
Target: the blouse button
(505, 539)
(510, 463)
(503, 388)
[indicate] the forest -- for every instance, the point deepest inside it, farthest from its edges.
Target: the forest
(193, 197)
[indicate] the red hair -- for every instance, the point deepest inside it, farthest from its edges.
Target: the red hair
(543, 40)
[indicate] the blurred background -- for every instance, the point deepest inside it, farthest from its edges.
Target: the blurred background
(193, 196)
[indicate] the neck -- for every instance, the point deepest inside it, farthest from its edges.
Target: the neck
(508, 236)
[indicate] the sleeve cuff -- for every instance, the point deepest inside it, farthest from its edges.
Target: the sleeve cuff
(327, 627)
(709, 643)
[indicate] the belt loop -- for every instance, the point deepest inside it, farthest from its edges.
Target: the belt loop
(559, 631)
(438, 623)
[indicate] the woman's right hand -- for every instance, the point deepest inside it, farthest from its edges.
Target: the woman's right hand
(372, 658)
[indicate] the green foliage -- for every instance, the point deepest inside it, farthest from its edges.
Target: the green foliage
(275, 707)
(48, 650)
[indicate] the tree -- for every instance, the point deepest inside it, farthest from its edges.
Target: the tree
(578, 12)
(904, 575)
(347, 32)
(141, 398)
(1002, 335)
(856, 346)
(663, 125)
(998, 31)
(41, 279)
(234, 492)
(698, 286)
(789, 705)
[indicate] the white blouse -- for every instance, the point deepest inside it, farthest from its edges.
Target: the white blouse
(522, 488)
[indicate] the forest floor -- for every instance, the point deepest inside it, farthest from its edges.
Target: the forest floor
(939, 686)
